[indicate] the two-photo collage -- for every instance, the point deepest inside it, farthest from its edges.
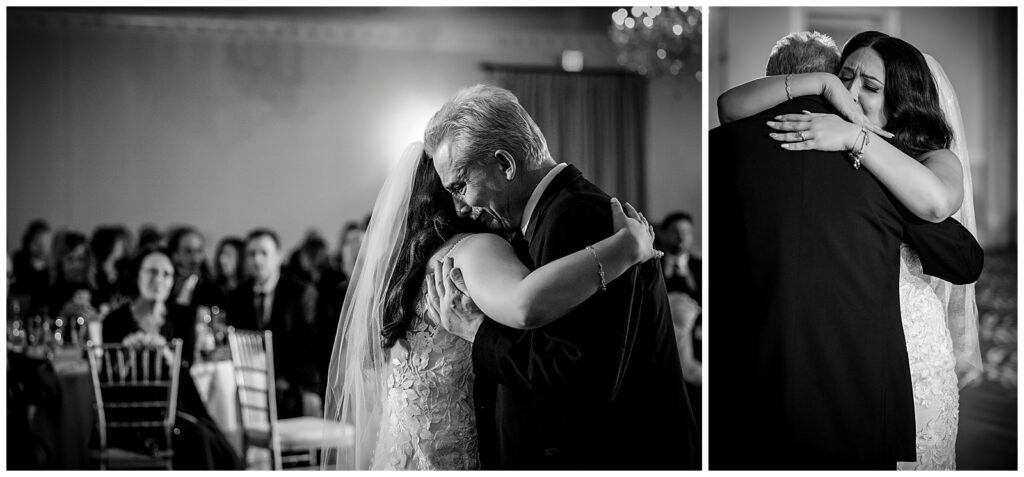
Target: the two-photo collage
(435, 237)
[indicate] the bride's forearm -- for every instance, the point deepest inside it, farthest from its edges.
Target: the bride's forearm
(764, 93)
(512, 295)
(933, 194)
(555, 289)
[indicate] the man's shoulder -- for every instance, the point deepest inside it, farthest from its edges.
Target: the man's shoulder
(293, 286)
(814, 104)
(581, 198)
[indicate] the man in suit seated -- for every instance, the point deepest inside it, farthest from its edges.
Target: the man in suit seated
(680, 265)
(276, 302)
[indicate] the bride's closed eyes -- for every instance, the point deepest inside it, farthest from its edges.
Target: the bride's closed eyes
(871, 83)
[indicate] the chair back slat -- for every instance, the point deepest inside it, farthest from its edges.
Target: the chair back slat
(121, 368)
(145, 367)
(132, 392)
(254, 378)
(109, 367)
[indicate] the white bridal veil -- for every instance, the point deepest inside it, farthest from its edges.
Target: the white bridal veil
(961, 308)
(356, 378)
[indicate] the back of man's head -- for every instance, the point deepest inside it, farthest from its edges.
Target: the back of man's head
(803, 52)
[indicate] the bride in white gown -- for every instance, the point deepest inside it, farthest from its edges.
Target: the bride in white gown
(934, 312)
(396, 376)
(927, 168)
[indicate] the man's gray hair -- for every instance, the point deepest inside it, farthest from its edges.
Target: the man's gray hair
(481, 119)
(803, 52)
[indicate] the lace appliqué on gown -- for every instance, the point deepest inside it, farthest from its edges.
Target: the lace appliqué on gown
(428, 421)
(930, 349)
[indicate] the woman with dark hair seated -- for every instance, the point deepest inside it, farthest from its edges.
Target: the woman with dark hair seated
(109, 247)
(228, 264)
(198, 442)
(72, 288)
(31, 265)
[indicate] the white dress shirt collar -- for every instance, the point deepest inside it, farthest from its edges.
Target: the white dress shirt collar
(537, 193)
(269, 286)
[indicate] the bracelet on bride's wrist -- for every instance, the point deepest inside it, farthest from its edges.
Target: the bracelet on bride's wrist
(857, 153)
(600, 268)
(789, 92)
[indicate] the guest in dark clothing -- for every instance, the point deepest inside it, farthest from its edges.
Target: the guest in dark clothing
(311, 263)
(150, 238)
(681, 266)
(73, 282)
(109, 247)
(194, 285)
(229, 264)
(682, 269)
(198, 442)
(350, 241)
(31, 266)
(272, 300)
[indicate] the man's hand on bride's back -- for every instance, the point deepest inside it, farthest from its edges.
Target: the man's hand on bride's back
(448, 298)
(635, 226)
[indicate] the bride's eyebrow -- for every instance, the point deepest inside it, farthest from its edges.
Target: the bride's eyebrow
(872, 78)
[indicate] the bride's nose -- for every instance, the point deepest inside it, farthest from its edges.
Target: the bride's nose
(854, 89)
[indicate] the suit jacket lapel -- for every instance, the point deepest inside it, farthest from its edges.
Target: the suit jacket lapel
(561, 181)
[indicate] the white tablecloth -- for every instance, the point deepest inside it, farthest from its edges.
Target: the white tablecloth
(216, 384)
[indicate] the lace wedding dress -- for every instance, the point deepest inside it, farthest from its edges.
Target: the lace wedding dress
(932, 363)
(428, 420)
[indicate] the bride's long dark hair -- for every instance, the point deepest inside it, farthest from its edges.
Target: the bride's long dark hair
(912, 107)
(431, 221)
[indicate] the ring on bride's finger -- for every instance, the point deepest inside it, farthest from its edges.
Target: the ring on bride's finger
(800, 136)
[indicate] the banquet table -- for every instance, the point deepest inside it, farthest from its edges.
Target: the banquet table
(216, 385)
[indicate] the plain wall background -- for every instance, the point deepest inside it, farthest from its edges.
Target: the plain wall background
(229, 121)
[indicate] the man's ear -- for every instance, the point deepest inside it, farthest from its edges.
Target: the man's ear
(506, 163)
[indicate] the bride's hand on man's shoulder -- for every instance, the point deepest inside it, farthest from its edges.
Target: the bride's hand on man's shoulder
(635, 226)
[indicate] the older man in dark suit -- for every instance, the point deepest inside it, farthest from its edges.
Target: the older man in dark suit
(601, 388)
(812, 370)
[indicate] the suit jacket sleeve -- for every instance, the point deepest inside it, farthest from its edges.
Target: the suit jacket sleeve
(299, 365)
(565, 354)
(947, 250)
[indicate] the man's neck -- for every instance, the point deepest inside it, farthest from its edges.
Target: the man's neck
(529, 183)
(268, 284)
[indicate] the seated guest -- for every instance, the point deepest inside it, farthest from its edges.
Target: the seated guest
(193, 284)
(348, 247)
(31, 266)
(287, 307)
(150, 238)
(681, 266)
(228, 268)
(682, 270)
(312, 264)
(109, 248)
(73, 273)
(198, 442)
(309, 260)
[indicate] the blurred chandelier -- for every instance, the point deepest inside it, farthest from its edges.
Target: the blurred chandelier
(656, 40)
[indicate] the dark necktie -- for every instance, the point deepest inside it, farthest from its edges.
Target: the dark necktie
(261, 300)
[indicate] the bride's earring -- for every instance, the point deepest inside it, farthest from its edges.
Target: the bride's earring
(508, 165)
